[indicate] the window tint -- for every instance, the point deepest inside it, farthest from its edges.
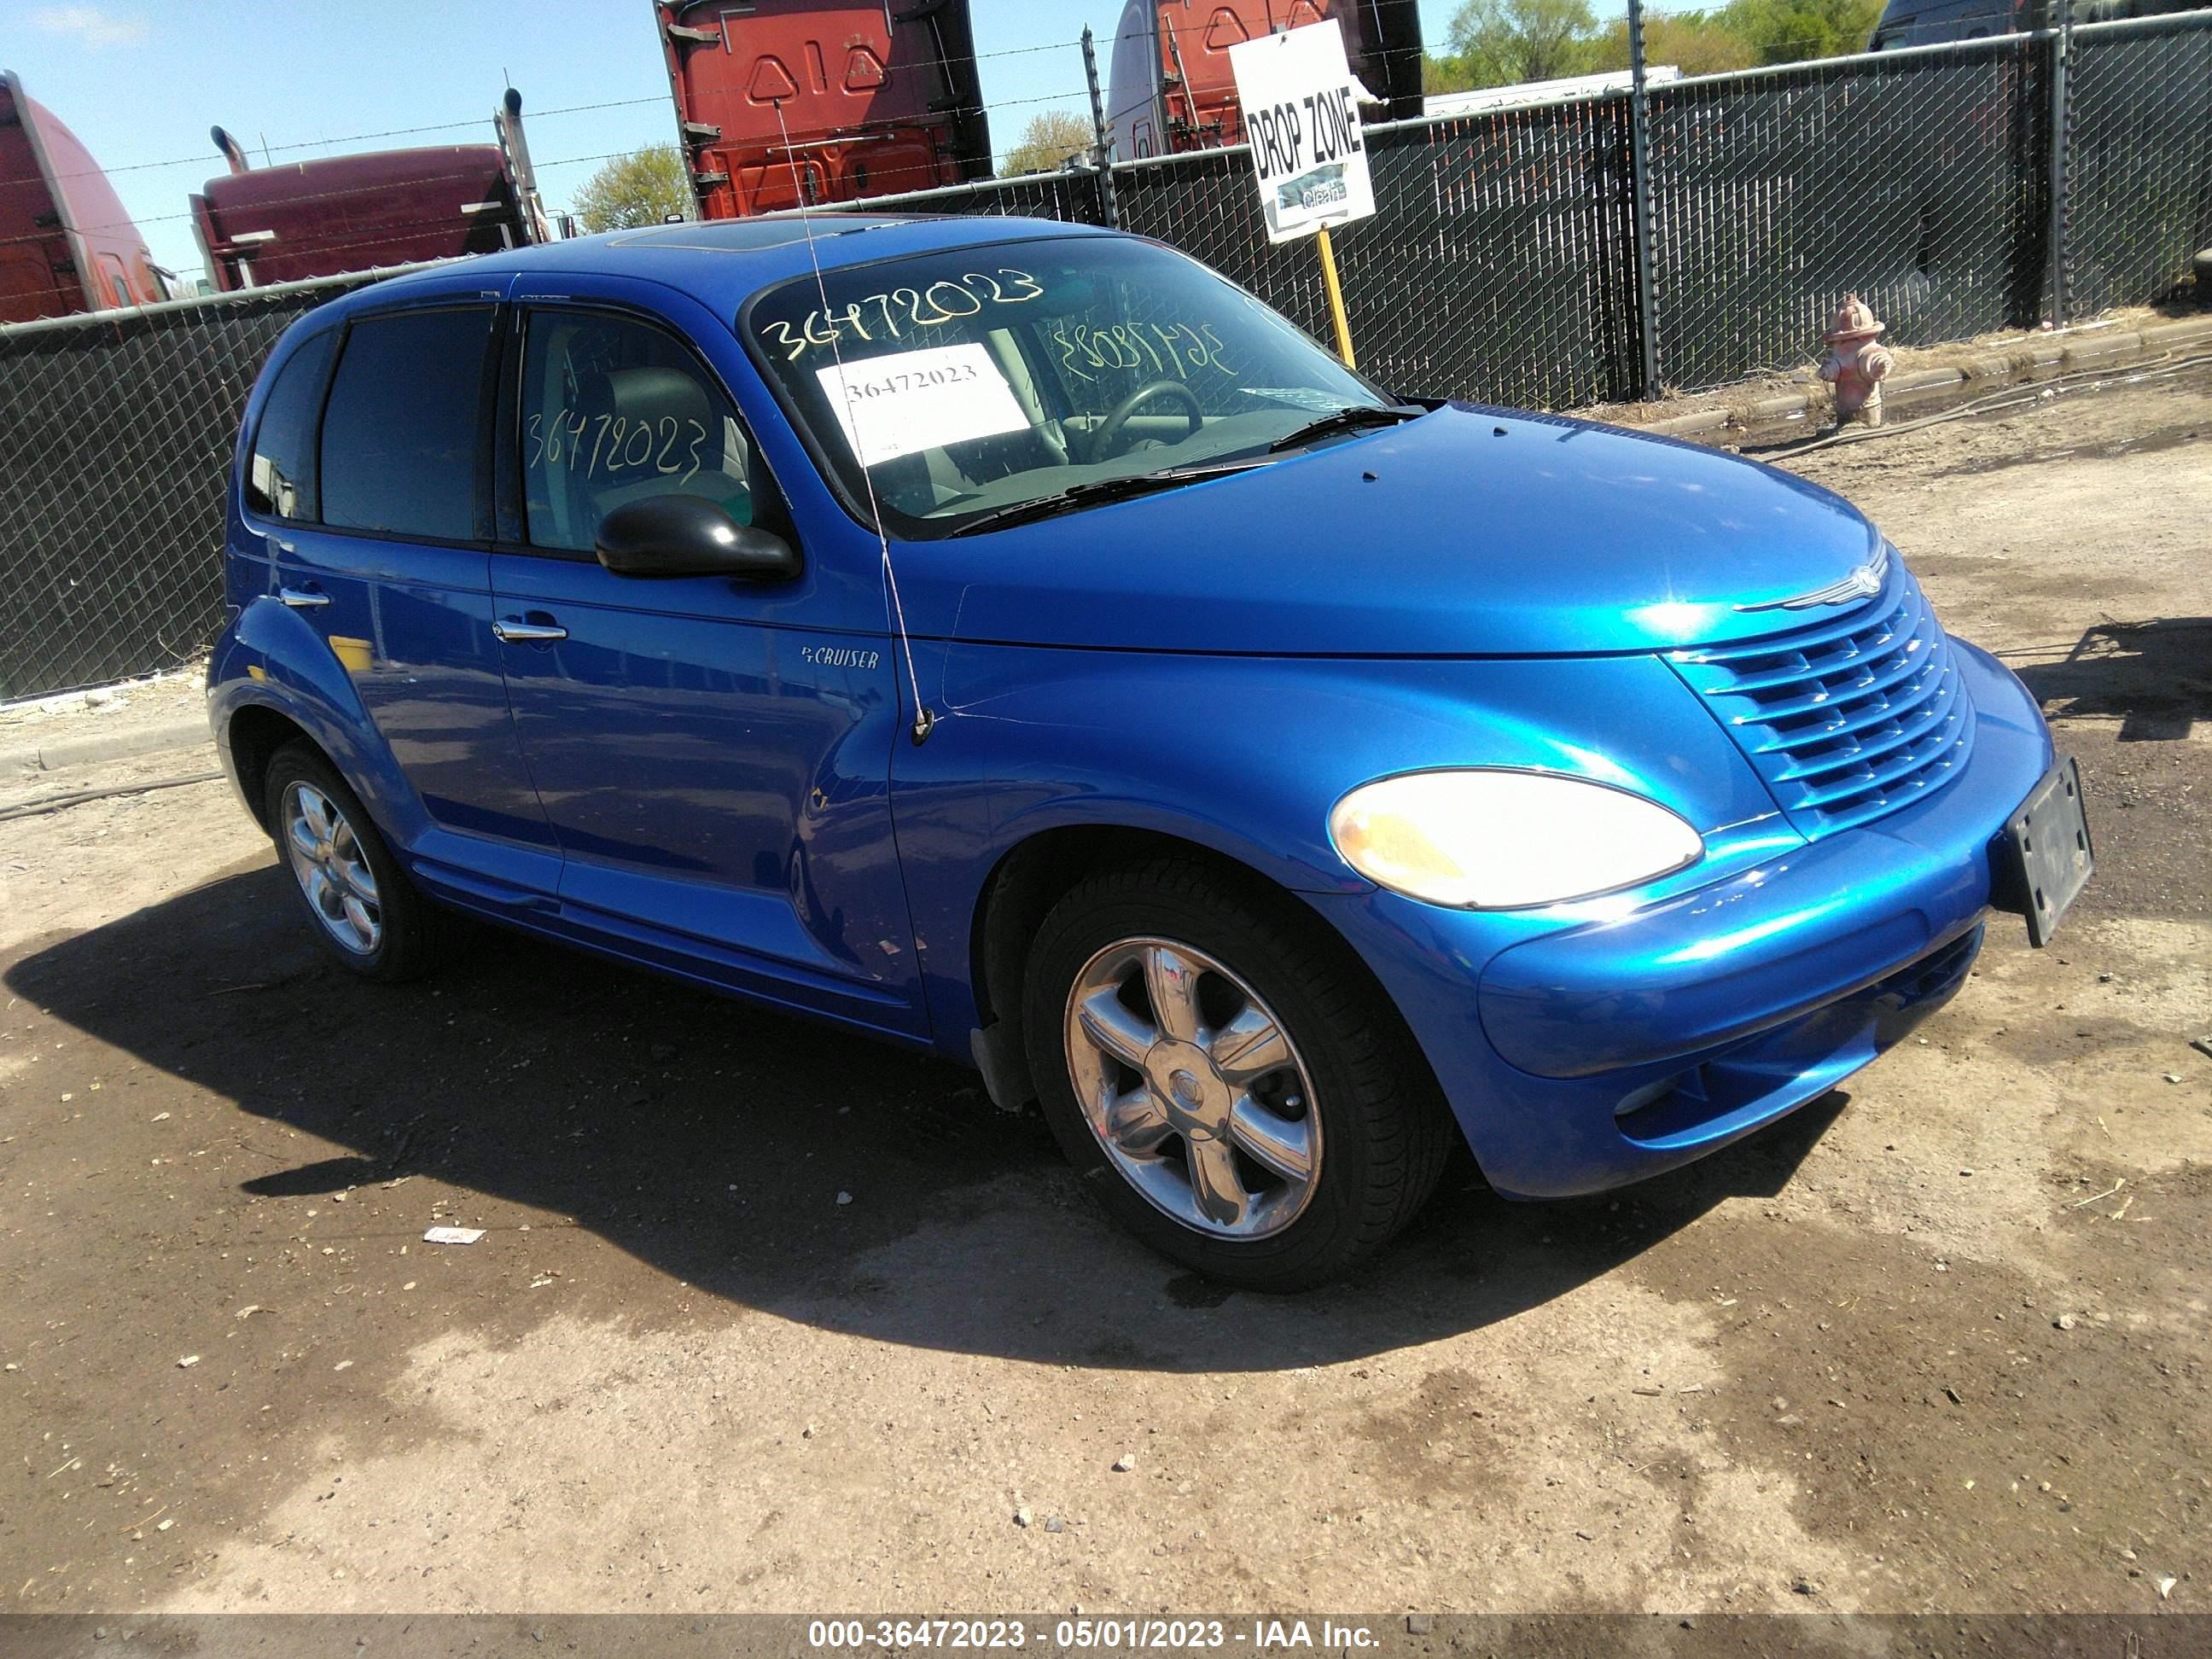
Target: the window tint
(280, 478)
(613, 410)
(400, 435)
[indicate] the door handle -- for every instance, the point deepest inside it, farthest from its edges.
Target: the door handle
(301, 599)
(515, 631)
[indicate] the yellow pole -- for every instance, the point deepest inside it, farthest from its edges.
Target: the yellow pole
(1335, 298)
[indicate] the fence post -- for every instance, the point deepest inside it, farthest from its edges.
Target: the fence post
(2062, 141)
(1101, 160)
(1647, 315)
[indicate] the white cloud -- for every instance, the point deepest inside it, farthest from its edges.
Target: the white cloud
(92, 27)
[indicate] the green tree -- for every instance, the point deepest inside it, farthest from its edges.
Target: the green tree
(1442, 75)
(1695, 42)
(1787, 31)
(641, 188)
(1499, 43)
(1048, 140)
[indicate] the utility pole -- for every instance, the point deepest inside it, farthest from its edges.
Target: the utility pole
(1647, 315)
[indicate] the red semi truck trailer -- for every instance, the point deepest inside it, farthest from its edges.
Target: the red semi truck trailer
(66, 244)
(1172, 88)
(781, 103)
(393, 207)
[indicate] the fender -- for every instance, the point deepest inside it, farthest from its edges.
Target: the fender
(1245, 755)
(273, 656)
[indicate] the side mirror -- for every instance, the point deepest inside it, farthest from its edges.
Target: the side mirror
(690, 536)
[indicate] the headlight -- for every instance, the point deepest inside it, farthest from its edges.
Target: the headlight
(1502, 841)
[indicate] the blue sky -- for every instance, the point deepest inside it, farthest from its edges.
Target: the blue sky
(140, 82)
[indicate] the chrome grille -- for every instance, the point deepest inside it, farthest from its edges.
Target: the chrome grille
(1849, 718)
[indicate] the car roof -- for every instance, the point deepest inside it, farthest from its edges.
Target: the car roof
(723, 263)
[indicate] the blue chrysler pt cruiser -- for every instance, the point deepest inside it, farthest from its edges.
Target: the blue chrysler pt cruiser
(1014, 640)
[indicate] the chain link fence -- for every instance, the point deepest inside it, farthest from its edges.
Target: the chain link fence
(115, 439)
(2139, 166)
(1916, 180)
(1499, 261)
(1500, 264)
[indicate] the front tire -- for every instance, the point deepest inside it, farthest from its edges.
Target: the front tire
(1226, 1081)
(363, 910)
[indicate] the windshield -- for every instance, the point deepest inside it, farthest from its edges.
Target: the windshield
(972, 381)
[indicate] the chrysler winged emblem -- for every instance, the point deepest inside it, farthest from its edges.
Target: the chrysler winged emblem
(1863, 583)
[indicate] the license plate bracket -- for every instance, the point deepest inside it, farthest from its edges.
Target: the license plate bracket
(2046, 856)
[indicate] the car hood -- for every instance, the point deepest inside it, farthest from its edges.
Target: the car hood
(1469, 532)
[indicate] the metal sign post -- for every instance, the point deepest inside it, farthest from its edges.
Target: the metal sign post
(1302, 125)
(1639, 144)
(2062, 142)
(1102, 154)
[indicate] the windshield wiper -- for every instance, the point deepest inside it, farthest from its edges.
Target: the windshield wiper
(1093, 491)
(1351, 418)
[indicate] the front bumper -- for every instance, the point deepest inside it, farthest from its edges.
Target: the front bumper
(1600, 1052)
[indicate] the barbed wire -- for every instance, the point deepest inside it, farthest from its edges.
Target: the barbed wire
(317, 247)
(204, 158)
(201, 159)
(53, 231)
(615, 103)
(445, 126)
(1435, 50)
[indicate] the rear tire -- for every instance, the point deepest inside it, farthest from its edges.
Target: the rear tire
(360, 905)
(1227, 1082)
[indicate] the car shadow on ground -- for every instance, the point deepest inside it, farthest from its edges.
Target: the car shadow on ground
(2154, 676)
(713, 1142)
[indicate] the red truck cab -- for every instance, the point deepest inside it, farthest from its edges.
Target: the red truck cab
(392, 207)
(783, 102)
(66, 244)
(1172, 88)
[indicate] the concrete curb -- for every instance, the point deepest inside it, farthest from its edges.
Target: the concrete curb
(2035, 358)
(87, 751)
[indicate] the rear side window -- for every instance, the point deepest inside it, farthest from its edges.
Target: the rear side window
(279, 478)
(400, 431)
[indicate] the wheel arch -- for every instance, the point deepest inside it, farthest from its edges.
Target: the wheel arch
(277, 679)
(256, 731)
(1034, 874)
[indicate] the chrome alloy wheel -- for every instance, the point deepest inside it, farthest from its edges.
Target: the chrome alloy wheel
(1193, 1088)
(333, 870)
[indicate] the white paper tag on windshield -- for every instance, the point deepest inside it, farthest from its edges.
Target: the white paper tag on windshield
(909, 401)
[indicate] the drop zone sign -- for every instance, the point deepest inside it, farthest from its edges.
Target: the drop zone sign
(1302, 119)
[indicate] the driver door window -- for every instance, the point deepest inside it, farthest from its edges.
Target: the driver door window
(613, 410)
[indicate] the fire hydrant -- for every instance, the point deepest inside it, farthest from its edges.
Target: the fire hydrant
(1857, 361)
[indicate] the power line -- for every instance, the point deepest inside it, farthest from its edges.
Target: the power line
(273, 202)
(1075, 95)
(447, 126)
(201, 160)
(353, 138)
(318, 249)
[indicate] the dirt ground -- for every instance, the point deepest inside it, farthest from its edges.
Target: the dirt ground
(129, 707)
(1937, 1342)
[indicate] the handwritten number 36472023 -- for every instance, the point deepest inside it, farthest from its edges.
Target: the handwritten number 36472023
(617, 443)
(941, 302)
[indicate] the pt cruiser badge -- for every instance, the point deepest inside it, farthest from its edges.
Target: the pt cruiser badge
(1863, 583)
